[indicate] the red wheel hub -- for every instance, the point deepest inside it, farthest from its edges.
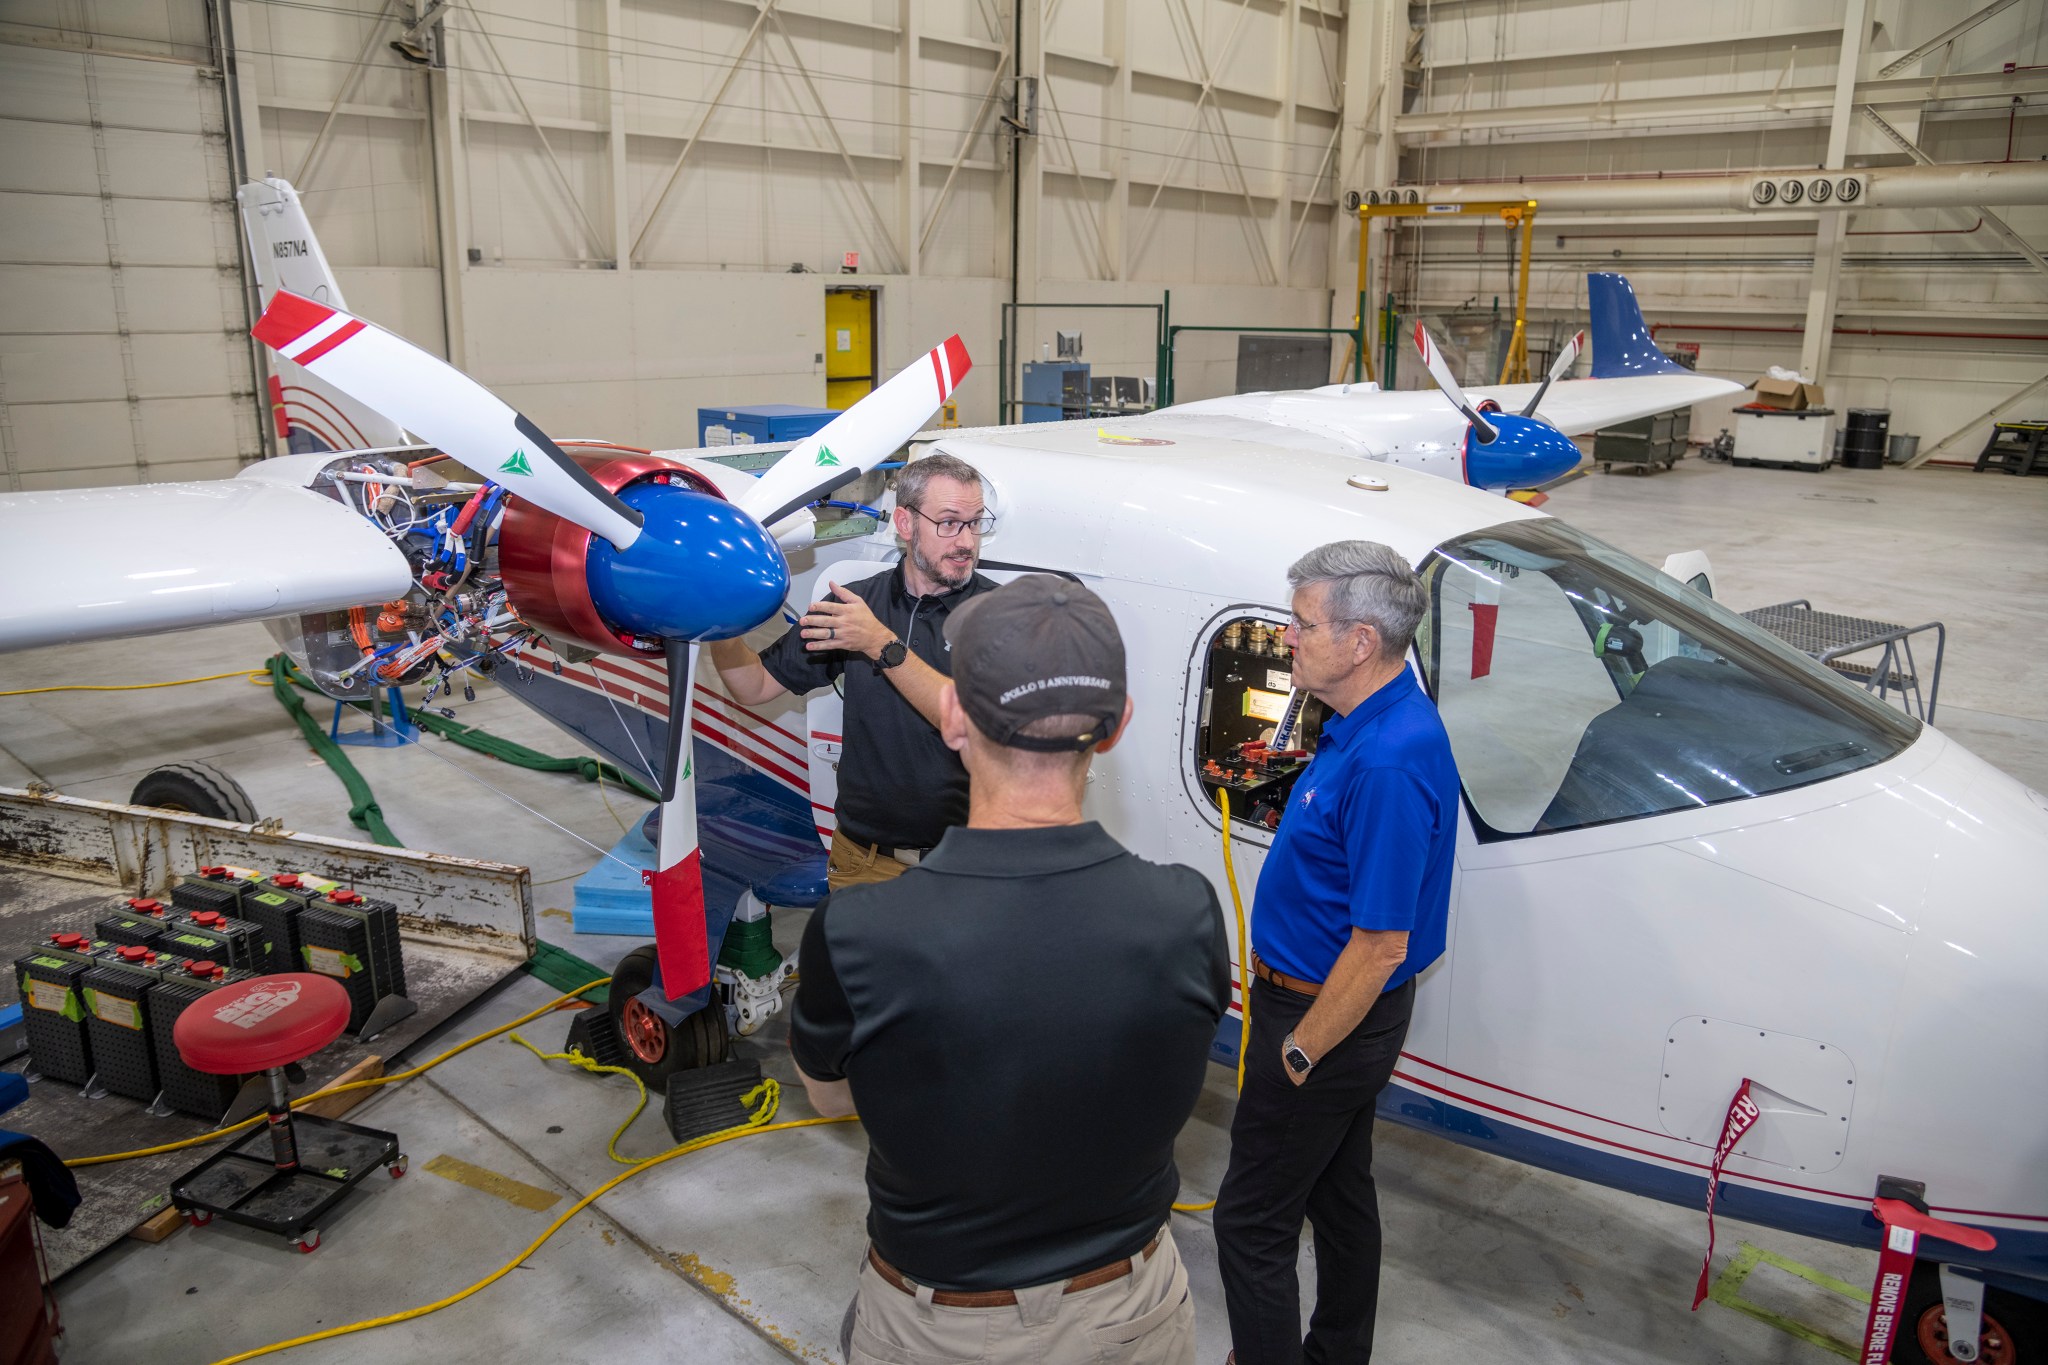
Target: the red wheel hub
(646, 1032)
(1994, 1347)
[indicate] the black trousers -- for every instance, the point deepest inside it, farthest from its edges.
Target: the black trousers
(1300, 1151)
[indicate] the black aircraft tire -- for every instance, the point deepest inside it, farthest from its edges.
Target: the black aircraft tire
(2015, 1330)
(196, 789)
(654, 1050)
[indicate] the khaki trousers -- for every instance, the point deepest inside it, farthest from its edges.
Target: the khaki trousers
(853, 864)
(1145, 1318)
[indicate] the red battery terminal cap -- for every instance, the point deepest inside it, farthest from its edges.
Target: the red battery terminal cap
(203, 967)
(344, 896)
(209, 918)
(144, 905)
(286, 879)
(135, 952)
(219, 874)
(68, 940)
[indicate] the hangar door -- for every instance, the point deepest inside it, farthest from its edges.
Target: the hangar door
(123, 338)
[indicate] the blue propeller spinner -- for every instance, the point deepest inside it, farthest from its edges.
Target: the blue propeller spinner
(702, 569)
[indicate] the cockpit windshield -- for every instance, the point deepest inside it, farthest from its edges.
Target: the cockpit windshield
(1579, 687)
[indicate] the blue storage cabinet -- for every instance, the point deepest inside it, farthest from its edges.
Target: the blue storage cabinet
(759, 423)
(1055, 390)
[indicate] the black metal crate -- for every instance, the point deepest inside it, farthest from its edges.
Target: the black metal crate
(342, 945)
(188, 1091)
(380, 919)
(113, 990)
(273, 905)
(230, 941)
(212, 888)
(139, 931)
(53, 1006)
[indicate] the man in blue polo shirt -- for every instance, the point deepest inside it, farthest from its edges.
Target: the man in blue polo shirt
(1352, 903)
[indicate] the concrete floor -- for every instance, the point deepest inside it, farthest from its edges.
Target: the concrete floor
(746, 1252)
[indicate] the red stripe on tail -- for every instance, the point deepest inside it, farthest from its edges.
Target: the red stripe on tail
(340, 334)
(288, 318)
(680, 944)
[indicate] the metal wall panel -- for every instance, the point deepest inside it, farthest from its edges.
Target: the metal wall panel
(123, 351)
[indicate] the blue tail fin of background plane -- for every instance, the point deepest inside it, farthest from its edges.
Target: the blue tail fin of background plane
(1622, 346)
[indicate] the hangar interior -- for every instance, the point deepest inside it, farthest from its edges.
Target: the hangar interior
(649, 222)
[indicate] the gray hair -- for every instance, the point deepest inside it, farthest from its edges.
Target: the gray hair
(918, 474)
(1367, 582)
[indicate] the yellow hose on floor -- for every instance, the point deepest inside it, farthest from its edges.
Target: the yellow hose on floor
(250, 673)
(585, 1202)
(1244, 953)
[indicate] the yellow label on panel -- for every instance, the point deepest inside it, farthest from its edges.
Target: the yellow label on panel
(114, 1009)
(327, 961)
(1265, 705)
(48, 995)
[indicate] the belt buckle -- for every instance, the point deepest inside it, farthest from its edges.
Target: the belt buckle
(909, 857)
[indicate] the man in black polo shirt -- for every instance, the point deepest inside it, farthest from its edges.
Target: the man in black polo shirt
(1023, 1022)
(882, 639)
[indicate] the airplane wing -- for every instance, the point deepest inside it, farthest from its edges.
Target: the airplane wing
(101, 563)
(1577, 406)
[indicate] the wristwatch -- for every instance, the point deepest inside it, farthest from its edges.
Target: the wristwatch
(1298, 1061)
(893, 653)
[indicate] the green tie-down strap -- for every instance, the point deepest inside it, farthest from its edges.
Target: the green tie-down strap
(363, 809)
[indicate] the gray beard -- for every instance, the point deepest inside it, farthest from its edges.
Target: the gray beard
(936, 573)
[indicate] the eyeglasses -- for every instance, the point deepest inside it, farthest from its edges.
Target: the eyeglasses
(1301, 627)
(951, 527)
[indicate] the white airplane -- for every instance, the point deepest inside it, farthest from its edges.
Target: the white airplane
(1689, 856)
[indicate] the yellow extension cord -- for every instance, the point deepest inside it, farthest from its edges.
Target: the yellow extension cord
(1244, 952)
(138, 687)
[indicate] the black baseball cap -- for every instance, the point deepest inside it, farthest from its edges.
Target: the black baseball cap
(1039, 646)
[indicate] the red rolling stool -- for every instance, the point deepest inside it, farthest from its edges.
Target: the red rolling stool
(285, 1175)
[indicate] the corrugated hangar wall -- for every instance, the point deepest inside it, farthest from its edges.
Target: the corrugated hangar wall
(124, 352)
(595, 206)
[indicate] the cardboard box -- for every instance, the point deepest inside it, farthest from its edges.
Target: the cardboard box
(1788, 394)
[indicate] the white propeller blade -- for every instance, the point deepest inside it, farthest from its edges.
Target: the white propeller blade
(1434, 361)
(443, 406)
(677, 879)
(860, 438)
(1558, 369)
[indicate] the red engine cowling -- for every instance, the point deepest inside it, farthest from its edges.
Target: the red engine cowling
(541, 557)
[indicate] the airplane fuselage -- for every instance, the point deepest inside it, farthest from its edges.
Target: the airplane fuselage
(1855, 945)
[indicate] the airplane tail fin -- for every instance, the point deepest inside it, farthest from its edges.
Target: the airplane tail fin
(1622, 345)
(308, 414)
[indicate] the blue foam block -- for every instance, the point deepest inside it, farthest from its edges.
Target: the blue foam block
(611, 899)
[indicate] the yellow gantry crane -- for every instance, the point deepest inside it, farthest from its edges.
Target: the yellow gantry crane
(1516, 213)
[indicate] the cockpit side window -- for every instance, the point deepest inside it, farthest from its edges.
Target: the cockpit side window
(1580, 687)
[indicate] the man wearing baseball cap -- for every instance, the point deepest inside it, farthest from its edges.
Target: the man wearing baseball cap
(1022, 1022)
